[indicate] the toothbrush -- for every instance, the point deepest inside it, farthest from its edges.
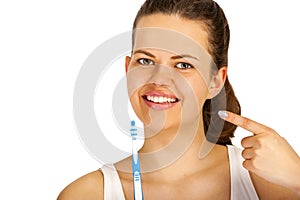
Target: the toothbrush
(136, 171)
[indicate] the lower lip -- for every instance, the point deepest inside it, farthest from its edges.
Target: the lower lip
(159, 106)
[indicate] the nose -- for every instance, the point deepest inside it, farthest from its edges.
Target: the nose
(161, 75)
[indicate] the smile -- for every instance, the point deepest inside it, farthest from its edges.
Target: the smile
(159, 100)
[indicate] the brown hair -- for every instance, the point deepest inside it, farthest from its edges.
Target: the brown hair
(209, 13)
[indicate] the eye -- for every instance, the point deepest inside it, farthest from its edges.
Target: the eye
(145, 61)
(183, 65)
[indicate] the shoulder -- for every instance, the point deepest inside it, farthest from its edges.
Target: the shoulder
(264, 187)
(89, 186)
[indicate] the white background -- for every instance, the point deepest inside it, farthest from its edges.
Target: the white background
(44, 43)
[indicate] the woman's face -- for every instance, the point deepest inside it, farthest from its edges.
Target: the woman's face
(169, 72)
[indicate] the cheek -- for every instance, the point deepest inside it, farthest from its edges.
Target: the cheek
(139, 108)
(200, 90)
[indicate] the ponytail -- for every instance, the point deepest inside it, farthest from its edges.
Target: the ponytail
(212, 120)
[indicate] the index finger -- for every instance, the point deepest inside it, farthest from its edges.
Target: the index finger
(243, 122)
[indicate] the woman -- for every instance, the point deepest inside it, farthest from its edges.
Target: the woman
(177, 81)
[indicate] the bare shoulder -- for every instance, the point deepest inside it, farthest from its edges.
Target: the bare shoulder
(267, 190)
(89, 186)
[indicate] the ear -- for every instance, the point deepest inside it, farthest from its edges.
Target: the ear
(127, 62)
(217, 82)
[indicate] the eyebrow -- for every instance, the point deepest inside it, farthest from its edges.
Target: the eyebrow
(184, 56)
(173, 57)
(144, 52)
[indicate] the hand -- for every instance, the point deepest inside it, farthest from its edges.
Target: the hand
(267, 154)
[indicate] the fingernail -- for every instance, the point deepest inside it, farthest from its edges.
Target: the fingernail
(223, 114)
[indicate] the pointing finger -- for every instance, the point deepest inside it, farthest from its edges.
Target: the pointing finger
(243, 122)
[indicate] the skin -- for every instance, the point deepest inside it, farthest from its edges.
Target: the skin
(190, 177)
(268, 156)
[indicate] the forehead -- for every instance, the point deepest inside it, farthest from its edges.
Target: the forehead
(192, 29)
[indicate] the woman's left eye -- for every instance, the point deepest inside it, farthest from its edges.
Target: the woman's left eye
(183, 65)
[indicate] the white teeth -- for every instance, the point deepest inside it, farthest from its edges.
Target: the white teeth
(160, 99)
(171, 100)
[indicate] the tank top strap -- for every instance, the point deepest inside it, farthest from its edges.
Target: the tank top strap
(241, 184)
(112, 184)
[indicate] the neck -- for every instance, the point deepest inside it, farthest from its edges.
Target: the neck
(172, 149)
(174, 153)
(184, 137)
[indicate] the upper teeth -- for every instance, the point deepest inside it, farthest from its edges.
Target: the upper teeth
(160, 99)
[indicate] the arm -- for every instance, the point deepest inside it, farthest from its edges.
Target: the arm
(273, 163)
(267, 190)
(88, 187)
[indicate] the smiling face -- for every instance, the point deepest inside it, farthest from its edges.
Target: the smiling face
(170, 71)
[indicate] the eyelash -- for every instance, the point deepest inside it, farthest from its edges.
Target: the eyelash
(180, 65)
(186, 65)
(142, 60)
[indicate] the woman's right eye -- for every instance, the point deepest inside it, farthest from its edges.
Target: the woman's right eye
(145, 61)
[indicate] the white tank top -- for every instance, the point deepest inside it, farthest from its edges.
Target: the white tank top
(241, 184)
